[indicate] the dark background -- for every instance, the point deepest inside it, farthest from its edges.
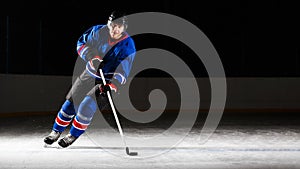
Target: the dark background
(253, 38)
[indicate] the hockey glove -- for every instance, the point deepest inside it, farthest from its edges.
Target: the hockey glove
(108, 87)
(93, 66)
(95, 62)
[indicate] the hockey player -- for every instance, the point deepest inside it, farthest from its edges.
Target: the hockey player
(110, 48)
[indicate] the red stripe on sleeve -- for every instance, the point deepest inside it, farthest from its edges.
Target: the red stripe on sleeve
(98, 57)
(80, 49)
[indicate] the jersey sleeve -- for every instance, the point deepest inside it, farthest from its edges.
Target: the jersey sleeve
(86, 43)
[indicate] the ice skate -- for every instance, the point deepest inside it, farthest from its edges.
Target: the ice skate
(52, 137)
(67, 140)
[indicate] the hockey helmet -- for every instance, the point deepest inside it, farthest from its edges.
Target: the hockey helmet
(118, 17)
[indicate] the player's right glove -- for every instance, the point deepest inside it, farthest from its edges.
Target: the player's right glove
(107, 88)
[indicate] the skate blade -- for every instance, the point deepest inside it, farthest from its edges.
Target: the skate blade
(52, 146)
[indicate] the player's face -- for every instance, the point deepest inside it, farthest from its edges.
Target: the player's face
(115, 30)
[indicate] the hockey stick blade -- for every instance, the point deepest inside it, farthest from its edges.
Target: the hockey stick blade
(130, 153)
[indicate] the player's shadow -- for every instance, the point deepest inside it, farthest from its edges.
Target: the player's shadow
(95, 147)
(85, 147)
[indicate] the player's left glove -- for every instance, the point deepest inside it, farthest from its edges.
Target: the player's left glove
(95, 62)
(93, 65)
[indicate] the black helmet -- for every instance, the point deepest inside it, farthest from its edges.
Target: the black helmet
(119, 18)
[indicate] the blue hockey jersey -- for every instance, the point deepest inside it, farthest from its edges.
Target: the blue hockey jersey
(117, 55)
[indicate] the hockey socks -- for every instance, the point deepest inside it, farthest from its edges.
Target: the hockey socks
(86, 111)
(64, 116)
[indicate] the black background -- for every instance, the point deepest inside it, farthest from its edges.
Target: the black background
(252, 38)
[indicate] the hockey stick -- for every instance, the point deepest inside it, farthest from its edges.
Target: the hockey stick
(116, 117)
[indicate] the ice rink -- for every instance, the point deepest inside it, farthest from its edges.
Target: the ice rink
(241, 141)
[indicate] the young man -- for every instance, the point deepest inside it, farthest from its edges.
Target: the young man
(110, 48)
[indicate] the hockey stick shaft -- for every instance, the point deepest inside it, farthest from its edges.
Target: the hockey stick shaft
(116, 117)
(113, 108)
